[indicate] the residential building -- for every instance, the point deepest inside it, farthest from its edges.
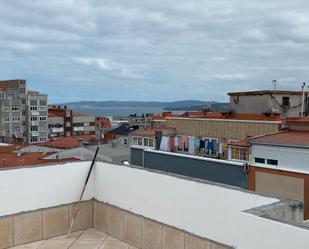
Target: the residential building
(142, 121)
(102, 125)
(37, 117)
(285, 103)
(279, 165)
(63, 122)
(120, 135)
(221, 129)
(13, 128)
(150, 138)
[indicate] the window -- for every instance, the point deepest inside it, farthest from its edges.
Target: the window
(33, 139)
(7, 120)
(43, 102)
(140, 141)
(43, 139)
(33, 102)
(15, 119)
(285, 101)
(2, 95)
(43, 118)
(34, 128)
(6, 108)
(42, 128)
(16, 130)
(272, 162)
(146, 141)
(259, 160)
(15, 108)
(42, 108)
(33, 108)
(134, 140)
(33, 118)
(151, 142)
(7, 131)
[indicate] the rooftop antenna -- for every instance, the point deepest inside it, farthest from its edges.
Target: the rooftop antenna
(303, 99)
(275, 83)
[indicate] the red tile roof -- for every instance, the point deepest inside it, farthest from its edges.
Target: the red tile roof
(10, 148)
(240, 143)
(28, 159)
(284, 138)
(151, 132)
(67, 142)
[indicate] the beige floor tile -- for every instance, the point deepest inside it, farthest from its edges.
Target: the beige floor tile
(56, 244)
(71, 237)
(86, 244)
(114, 244)
(33, 245)
(92, 234)
(108, 237)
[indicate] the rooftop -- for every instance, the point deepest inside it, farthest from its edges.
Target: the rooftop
(289, 138)
(152, 132)
(146, 209)
(28, 159)
(67, 142)
(263, 92)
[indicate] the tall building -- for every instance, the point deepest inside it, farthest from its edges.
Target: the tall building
(13, 97)
(37, 117)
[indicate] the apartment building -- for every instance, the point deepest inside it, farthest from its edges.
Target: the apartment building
(13, 128)
(63, 122)
(285, 103)
(37, 117)
(218, 130)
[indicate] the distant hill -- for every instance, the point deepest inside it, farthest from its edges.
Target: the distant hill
(124, 108)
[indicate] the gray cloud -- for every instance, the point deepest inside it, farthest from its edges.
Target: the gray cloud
(154, 50)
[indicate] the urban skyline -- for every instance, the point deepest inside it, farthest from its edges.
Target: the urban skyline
(138, 50)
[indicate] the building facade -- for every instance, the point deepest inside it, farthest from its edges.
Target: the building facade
(13, 111)
(223, 130)
(37, 117)
(63, 122)
(279, 166)
(285, 103)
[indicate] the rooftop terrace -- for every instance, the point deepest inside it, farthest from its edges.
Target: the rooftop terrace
(141, 208)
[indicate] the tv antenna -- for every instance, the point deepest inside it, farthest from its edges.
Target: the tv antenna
(275, 83)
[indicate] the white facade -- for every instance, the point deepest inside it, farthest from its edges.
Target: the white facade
(290, 159)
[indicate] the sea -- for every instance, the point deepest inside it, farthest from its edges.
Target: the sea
(123, 111)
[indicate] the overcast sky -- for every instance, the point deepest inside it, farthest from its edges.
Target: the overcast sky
(154, 50)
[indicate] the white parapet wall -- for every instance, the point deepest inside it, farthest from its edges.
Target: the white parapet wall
(32, 188)
(207, 210)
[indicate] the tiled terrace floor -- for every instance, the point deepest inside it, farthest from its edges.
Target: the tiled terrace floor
(87, 239)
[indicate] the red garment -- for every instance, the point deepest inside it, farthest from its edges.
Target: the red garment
(171, 143)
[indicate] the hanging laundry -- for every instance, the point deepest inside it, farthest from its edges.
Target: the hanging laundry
(191, 145)
(197, 143)
(176, 142)
(202, 144)
(164, 143)
(171, 144)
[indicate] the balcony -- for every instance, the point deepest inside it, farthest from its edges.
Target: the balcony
(34, 113)
(57, 130)
(35, 133)
(78, 128)
(127, 207)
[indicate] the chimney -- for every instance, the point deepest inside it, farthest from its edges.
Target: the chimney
(18, 151)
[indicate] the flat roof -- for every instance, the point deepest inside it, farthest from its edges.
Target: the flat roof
(263, 92)
(287, 138)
